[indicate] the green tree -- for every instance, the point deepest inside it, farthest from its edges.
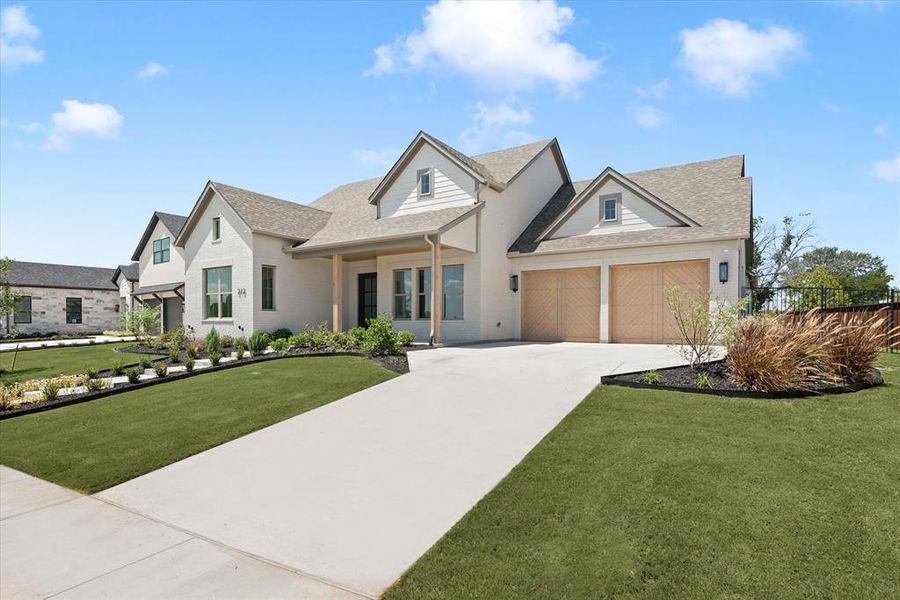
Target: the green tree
(856, 270)
(810, 284)
(7, 296)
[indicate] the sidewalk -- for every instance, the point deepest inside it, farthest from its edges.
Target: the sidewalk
(97, 339)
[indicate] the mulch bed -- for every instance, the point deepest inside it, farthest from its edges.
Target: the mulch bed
(684, 379)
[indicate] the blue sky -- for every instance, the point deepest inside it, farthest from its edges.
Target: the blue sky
(111, 111)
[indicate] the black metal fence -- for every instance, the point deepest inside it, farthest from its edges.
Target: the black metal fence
(851, 303)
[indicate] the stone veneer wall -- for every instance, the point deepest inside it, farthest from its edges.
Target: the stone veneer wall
(99, 310)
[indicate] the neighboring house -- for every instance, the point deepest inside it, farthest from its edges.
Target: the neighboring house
(126, 279)
(161, 269)
(509, 245)
(62, 298)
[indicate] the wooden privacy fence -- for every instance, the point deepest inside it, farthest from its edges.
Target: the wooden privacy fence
(850, 306)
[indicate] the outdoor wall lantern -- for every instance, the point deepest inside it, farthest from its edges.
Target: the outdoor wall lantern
(514, 283)
(723, 272)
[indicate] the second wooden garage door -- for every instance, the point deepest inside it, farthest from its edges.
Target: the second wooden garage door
(638, 313)
(561, 305)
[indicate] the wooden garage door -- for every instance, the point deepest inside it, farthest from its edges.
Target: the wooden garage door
(561, 305)
(638, 313)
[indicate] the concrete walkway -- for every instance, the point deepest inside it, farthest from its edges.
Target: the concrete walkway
(97, 339)
(348, 495)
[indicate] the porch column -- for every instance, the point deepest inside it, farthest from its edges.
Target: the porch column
(437, 291)
(337, 292)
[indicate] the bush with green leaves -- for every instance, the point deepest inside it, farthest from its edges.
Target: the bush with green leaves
(297, 341)
(239, 353)
(703, 380)
(651, 378)
(177, 338)
(91, 373)
(227, 341)
(160, 369)
(213, 342)
(282, 333)
(258, 342)
(94, 384)
(118, 366)
(342, 341)
(214, 358)
(280, 345)
(50, 390)
(174, 355)
(240, 344)
(358, 333)
(133, 375)
(380, 338)
(146, 363)
(406, 338)
(189, 364)
(192, 351)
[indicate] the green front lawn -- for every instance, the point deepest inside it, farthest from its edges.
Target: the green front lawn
(643, 494)
(73, 360)
(98, 444)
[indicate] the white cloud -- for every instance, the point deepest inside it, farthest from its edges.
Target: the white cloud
(658, 90)
(24, 127)
(496, 125)
(882, 129)
(730, 57)
(16, 34)
(888, 170)
(82, 119)
(832, 107)
(381, 159)
(505, 45)
(650, 117)
(151, 70)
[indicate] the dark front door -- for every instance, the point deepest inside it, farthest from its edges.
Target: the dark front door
(367, 287)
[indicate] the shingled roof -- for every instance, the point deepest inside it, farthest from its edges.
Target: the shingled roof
(32, 274)
(266, 214)
(713, 193)
(174, 223)
(131, 272)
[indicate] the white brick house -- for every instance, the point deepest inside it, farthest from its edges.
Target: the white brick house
(511, 246)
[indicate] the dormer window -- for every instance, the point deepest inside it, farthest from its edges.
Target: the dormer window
(610, 208)
(217, 229)
(425, 178)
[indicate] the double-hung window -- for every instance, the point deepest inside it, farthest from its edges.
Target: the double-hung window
(423, 293)
(403, 294)
(23, 310)
(73, 311)
(217, 290)
(425, 182)
(161, 251)
(268, 287)
(454, 288)
(610, 209)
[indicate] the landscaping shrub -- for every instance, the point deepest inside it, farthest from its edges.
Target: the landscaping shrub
(772, 353)
(651, 378)
(213, 343)
(177, 338)
(703, 380)
(189, 364)
(194, 348)
(406, 338)
(240, 344)
(191, 352)
(51, 389)
(227, 341)
(91, 373)
(702, 321)
(174, 355)
(297, 341)
(161, 370)
(118, 367)
(358, 333)
(854, 345)
(280, 334)
(239, 352)
(380, 338)
(280, 344)
(342, 341)
(258, 342)
(146, 363)
(215, 357)
(133, 375)
(95, 385)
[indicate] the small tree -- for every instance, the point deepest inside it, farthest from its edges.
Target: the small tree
(142, 321)
(7, 296)
(703, 321)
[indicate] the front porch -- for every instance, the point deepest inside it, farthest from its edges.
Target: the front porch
(169, 297)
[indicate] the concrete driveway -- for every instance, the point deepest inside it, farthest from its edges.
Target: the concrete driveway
(351, 494)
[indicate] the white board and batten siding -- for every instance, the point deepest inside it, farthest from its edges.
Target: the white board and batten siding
(451, 186)
(637, 214)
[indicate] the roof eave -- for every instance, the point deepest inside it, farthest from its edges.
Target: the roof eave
(625, 245)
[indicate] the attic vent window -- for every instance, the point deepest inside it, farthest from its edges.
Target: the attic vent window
(216, 229)
(609, 208)
(425, 178)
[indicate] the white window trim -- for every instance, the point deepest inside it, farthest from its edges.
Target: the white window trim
(217, 319)
(618, 199)
(430, 172)
(262, 289)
